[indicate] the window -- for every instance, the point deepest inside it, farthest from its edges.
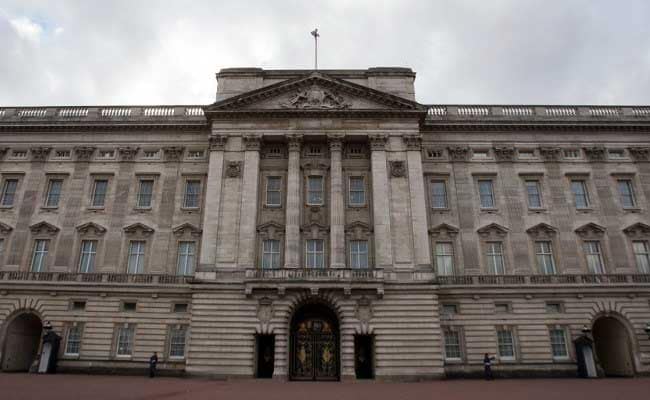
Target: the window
(186, 257)
(544, 256)
(274, 191)
(572, 153)
(9, 192)
(357, 191)
(99, 193)
(501, 308)
(145, 193)
(194, 154)
(434, 153)
(449, 309)
(452, 345)
(136, 257)
(580, 195)
(180, 307)
(526, 154)
(40, 255)
(486, 192)
(125, 341)
(505, 344)
(270, 254)
(19, 154)
(62, 154)
(129, 306)
(177, 336)
(314, 253)
(358, 254)
(192, 194)
(616, 153)
(53, 193)
(496, 266)
(553, 308)
(73, 342)
(534, 194)
(480, 154)
(626, 193)
(594, 257)
(106, 154)
(439, 194)
(444, 258)
(642, 256)
(315, 190)
(151, 154)
(559, 347)
(87, 256)
(78, 305)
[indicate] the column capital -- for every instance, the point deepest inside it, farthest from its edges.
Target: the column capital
(218, 142)
(252, 142)
(335, 141)
(413, 142)
(378, 142)
(294, 141)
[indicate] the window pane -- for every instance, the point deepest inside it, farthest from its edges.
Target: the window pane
(558, 343)
(534, 196)
(506, 345)
(54, 193)
(192, 192)
(315, 190)
(359, 254)
(357, 191)
(626, 193)
(495, 258)
(444, 259)
(177, 342)
(642, 256)
(271, 254)
(438, 194)
(314, 253)
(487, 194)
(145, 193)
(125, 341)
(9, 192)
(273, 191)
(73, 344)
(544, 256)
(452, 345)
(186, 257)
(136, 257)
(39, 256)
(594, 257)
(99, 193)
(580, 194)
(87, 256)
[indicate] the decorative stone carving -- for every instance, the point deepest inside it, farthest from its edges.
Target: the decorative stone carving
(138, 229)
(173, 153)
(252, 142)
(550, 153)
(5, 229)
(358, 230)
(335, 142)
(458, 153)
(542, 231)
(217, 142)
(504, 153)
(40, 153)
(638, 230)
(84, 153)
(294, 141)
(443, 230)
(378, 142)
(187, 228)
(91, 228)
(492, 230)
(596, 153)
(413, 142)
(397, 169)
(271, 230)
(316, 98)
(364, 310)
(639, 153)
(127, 153)
(3, 152)
(43, 228)
(233, 169)
(590, 230)
(265, 310)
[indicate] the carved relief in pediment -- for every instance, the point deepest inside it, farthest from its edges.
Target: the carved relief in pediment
(315, 97)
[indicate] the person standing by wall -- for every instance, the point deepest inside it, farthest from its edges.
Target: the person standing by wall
(487, 364)
(153, 362)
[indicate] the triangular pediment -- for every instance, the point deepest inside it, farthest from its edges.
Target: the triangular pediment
(5, 229)
(541, 229)
(186, 228)
(270, 225)
(492, 229)
(590, 229)
(138, 229)
(316, 92)
(91, 228)
(637, 229)
(443, 228)
(43, 227)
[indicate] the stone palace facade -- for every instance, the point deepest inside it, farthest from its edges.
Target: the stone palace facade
(323, 225)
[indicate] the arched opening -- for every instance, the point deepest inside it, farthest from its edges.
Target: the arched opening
(613, 347)
(22, 339)
(314, 345)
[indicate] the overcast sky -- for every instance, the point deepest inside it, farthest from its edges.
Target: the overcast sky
(90, 52)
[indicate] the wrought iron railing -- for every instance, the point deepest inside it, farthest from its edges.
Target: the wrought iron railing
(104, 278)
(315, 274)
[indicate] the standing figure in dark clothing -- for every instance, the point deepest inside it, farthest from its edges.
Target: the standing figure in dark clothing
(487, 363)
(153, 361)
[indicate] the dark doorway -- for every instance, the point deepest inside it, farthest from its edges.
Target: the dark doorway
(265, 356)
(314, 347)
(613, 347)
(363, 357)
(22, 339)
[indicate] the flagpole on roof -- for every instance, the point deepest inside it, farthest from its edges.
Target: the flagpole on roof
(315, 34)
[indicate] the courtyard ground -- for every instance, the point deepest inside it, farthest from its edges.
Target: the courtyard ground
(100, 387)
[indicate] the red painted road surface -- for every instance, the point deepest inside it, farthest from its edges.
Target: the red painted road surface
(95, 387)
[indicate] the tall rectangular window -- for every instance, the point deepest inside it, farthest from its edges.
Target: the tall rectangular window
(125, 340)
(270, 254)
(99, 193)
(315, 190)
(314, 253)
(452, 345)
(73, 342)
(626, 193)
(177, 340)
(40, 255)
(534, 194)
(357, 191)
(192, 194)
(444, 258)
(496, 264)
(594, 257)
(486, 192)
(580, 194)
(136, 257)
(145, 193)
(9, 192)
(186, 258)
(559, 347)
(642, 256)
(87, 256)
(53, 193)
(439, 194)
(273, 191)
(544, 256)
(505, 344)
(358, 254)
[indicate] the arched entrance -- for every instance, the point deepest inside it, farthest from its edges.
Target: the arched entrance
(613, 347)
(314, 344)
(22, 339)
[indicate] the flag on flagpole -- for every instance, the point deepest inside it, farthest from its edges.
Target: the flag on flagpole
(314, 33)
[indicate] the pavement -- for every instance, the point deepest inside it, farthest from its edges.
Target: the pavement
(100, 387)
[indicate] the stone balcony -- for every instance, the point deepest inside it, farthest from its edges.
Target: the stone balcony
(544, 280)
(108, 279)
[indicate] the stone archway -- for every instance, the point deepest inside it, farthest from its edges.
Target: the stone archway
(314, 346)
(22, 340)
(613, 346)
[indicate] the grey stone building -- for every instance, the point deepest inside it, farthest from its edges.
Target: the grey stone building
(324, 225)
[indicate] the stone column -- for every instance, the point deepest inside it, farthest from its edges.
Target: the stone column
(421, 250)
(208, 259)
(337, 208)
(248, 219)
(292, 224)
(380, 202)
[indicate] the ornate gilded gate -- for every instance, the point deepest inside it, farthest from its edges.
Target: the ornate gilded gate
(314, 349)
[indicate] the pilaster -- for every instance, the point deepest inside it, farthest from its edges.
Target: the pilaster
(292, 228)
(381, 207)
(337, 211)
(421, 250)
(248, 219)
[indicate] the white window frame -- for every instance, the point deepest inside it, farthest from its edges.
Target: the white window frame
(139, 254)
(174, 341)
(361, 192)
(311, 255)
(140, 195)
(195, 196)
(492, 255)
(458, 346)
(186, 260)
(52, 199)
(491, 194)
(127, 333)
(564, 344)
(87, 256)
(642, 255)
(629, 185)
(501, 343)
(543, 255)
(269, 189)
(6, 194)
(39, 252)
(95, 196)
(538, 187)
(444, 196)
(270, 255)
(358, 255)
(73, 339)
(321, 190)
(598, 254)
(444, 256)
(585, 193)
